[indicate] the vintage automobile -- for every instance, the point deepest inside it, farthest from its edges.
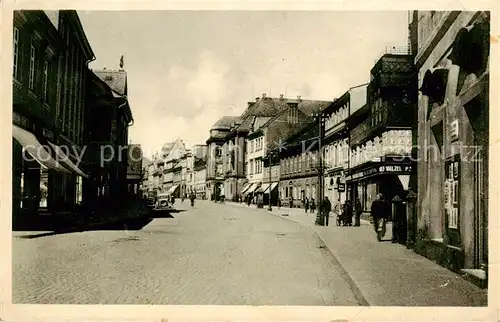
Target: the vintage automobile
(162, 202)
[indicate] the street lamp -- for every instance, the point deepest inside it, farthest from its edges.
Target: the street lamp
(269, 157)
(321, 125)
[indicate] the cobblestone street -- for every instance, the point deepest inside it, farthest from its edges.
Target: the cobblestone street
(209, 254)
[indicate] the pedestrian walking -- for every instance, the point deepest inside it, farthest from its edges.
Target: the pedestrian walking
(325, 208)
(306, 204)
(291, 202)
(379, 212)
(279, 203)
(313, 205)
(358, 209)
(348, 212)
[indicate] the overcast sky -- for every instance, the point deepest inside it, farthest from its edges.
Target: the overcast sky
(186, 69)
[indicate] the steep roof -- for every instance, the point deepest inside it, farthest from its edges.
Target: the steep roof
(309, 131)
(167, 147)
(115, 79)
(224, 123)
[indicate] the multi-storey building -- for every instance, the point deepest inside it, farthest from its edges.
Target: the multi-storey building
(134, 169)
(200, 175)
(195, 169)
(453, 117)
(107, 118)
(335, 143)
(381, 145)
(299, 176)
(50, 57)
(215, 158)
(292, 115)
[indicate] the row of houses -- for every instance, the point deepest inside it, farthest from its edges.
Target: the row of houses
(176, 170)
(70, 124)
(417, 133)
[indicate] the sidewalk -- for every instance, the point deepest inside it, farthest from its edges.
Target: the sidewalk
(387, 274)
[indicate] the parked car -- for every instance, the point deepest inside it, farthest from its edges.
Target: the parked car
(150, 201)
(162, 202)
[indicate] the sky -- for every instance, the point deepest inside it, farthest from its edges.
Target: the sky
(187, 69)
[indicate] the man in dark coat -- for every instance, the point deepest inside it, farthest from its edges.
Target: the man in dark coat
(379, 211)
(358, 209)
(326, 207)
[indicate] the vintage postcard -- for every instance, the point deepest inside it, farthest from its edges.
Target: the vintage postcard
(249, 161)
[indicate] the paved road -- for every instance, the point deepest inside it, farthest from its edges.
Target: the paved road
(210, 254)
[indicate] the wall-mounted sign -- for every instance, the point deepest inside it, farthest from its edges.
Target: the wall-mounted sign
(341, 187)
(389, 169)
(454, 130)
(395, 168)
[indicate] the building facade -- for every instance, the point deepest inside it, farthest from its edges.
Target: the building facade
(50, 58)
(216, 158)
(299, 173)
(174, 170)
(335, 143)
(453, 114)
(107, 119)
(134, 170)
(381, 144)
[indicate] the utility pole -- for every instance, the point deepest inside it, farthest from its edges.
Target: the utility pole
(270, 183)
(319, 215)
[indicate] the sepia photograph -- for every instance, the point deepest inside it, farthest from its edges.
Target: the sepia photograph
(250, 157)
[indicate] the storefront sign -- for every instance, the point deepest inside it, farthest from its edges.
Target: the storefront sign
(395, 168)
(389, 169)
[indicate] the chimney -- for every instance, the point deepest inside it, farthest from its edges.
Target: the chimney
(281, 97)
(263, 95)
(257, 99)
(298, 98)
(104, 68)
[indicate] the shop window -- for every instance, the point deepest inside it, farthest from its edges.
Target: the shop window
(79, 190)
(452, 201)
(44, 188)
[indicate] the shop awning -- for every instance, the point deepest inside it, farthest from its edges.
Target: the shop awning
(245, 187)
(66, 160)
(173, 188)
(264, 187)
(273, 186)
(252, 188)
(30, 143)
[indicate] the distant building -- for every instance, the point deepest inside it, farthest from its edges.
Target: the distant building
(174, 179)
(134, 169)
(299, 177)
(215, 158)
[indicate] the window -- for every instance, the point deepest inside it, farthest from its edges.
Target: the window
(16, 53)
(31, 81)
(45, 79)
